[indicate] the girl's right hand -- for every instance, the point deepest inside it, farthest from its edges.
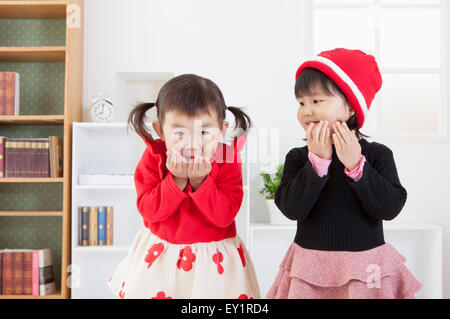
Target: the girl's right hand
(177, 165)
(319, 140)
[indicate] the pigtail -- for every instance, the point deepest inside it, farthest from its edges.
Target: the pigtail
(241, 119)
(136, 120)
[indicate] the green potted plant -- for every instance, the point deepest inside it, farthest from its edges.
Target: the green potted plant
(268, 191)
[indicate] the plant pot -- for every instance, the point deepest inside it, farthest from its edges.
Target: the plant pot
(277, 217)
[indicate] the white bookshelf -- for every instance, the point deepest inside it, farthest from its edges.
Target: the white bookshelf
(421, 244)
(108, 148)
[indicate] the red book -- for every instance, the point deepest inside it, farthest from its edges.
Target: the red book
(2, 157)
(42, 160)
(17, 273)
(12, 93)
(1, 271)
(46, 158)
(7, 273)
(28, 273)
(34, 158)
(9, 157)
(27, 158)
(15, 165)
(35, 271)
(2, 93)
(20, 156)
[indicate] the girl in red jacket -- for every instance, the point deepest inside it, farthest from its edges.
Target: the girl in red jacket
(189, 190)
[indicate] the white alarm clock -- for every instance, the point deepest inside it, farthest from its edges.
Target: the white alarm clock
(102, 109)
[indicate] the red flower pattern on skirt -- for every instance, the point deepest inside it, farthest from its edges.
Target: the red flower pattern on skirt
(186, 259)
(121, 292)
(241, 254)
(217, 259)
(161, 295)
(153, 253)
(244, 296)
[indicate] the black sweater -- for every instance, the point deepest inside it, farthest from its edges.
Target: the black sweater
(335, 213)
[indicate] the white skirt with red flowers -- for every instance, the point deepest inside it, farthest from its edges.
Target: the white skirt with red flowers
(155, 268)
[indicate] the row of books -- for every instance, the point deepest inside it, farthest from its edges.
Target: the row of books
(31, 157)
(95, 225)
(9, 93)
(26, 272)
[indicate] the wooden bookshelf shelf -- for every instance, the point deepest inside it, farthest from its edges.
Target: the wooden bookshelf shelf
(33, 54)
(45, 44)
(33, 9)
(56, 295)
(32, 119)
(31, 213)
(31, 180)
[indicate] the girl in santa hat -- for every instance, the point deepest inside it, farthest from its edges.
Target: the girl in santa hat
(189, 190)
(340, 188)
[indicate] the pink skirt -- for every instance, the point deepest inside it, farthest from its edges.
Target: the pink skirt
(378, 273)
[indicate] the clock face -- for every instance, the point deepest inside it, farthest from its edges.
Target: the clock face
(102, 111)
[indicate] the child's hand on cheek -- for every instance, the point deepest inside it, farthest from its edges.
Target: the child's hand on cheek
(178, 166)
(197, 171)
(348, 148)
(319, 140)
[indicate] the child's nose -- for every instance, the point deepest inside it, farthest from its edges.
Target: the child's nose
(307, 109)
(194, 144)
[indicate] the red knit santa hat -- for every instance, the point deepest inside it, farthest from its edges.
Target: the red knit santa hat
(354, 72)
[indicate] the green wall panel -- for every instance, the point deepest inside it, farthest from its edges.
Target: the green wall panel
(32, 32)
(41, 86)
(31, 196)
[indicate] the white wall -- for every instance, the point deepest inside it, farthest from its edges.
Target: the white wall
(251, 49)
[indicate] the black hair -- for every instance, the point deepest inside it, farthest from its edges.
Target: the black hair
(190, 95)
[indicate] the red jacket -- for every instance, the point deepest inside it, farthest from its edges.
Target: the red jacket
(186, 217)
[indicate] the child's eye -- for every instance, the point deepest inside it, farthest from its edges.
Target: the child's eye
(317, 101)
(179, 133)
(205, 132)
(301, 103)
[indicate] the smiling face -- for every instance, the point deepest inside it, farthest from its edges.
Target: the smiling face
(191, 136)
(319, 106)
(320, 99)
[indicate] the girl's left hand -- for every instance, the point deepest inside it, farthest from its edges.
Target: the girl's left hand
(198, 169)
(347, 146)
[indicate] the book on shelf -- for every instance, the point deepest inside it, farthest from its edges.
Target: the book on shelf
(109, 226)
(26, 272)
(93, 222)
(101, 222)
(2, 156)
(56, 156)
(31, 157)
(95, 226)
(46, 274)
(9, 93)
(1, 273)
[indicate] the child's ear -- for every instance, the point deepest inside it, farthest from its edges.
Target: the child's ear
(225, 127)
(158, 129)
